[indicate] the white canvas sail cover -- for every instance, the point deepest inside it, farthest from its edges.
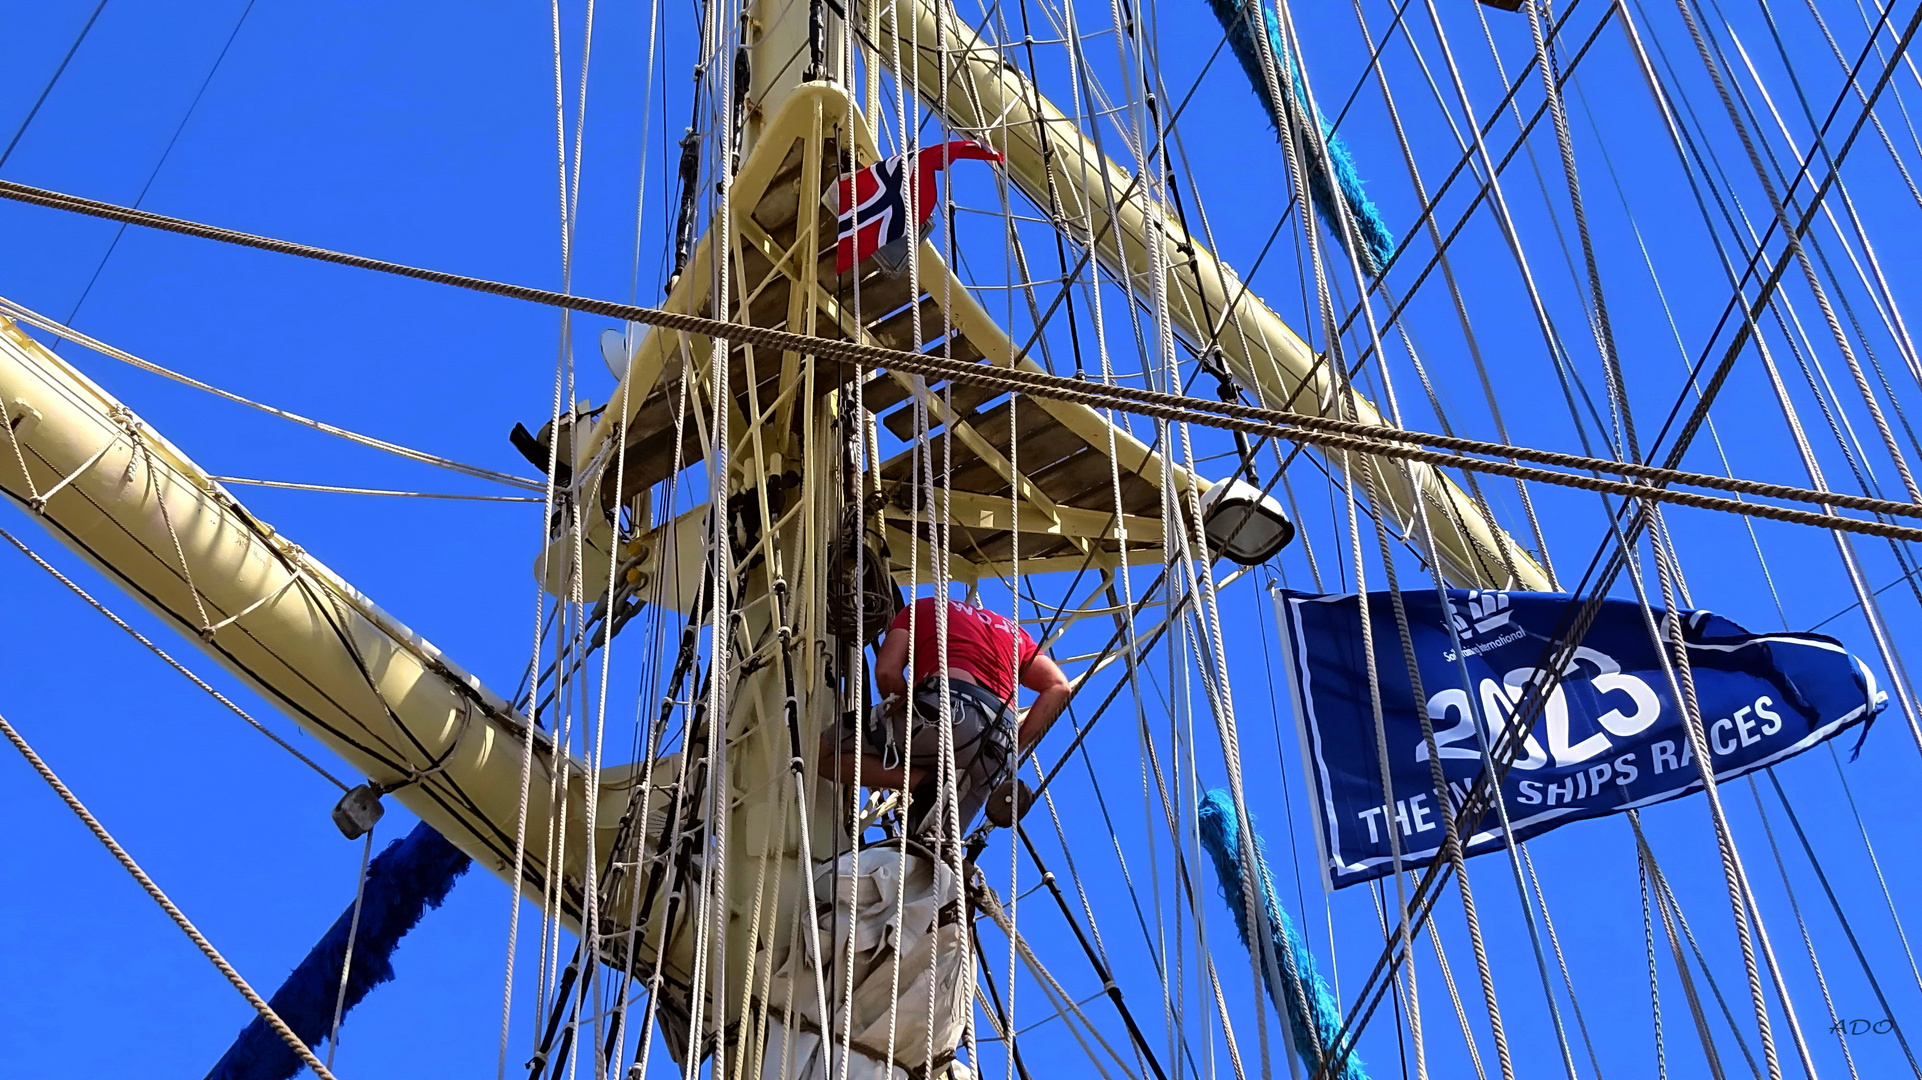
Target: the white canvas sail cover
(926, 930)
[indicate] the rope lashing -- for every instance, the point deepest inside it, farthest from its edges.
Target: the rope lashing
(38, 503)
(171, 662)
(1324, 432)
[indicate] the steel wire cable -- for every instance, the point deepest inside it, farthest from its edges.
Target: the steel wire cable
(1765, 569)
(14, 310)
(1076, 69)
(1735, 103)
(1739, 227)
(1470, 338)
(1734, 90)
(1835, 903)
(324, 598)
(1602, 568)
(339, 490)
(1255, 420)
(106, 210)
(52, 81)
(1672, 918)
(172, 141)
(1408, 988)
(1460, 877)
(1802, 927)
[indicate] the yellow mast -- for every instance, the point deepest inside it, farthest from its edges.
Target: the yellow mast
(455, 753)
(140, 510)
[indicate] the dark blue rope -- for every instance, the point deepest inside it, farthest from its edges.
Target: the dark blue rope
(412, 875)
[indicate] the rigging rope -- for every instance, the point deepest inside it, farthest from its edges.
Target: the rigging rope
(1848, 929)
(1671, 913)
(27, 315)
(1528, 903)
(1255, 34)
(1325, 432)
(393, 893)
(175, 664)
(1314, 1016)
(206, 947)
(338, 490)
(1389, 960)
(1801, 925)
(1505, 452)
(552, 496)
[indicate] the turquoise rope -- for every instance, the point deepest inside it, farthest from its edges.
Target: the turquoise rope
(1377, 241)
(1221, 835)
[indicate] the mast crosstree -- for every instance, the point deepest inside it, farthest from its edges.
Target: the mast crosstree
(738, 812)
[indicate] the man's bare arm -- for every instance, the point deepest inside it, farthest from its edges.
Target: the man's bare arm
(1053, 691)
(891, 665)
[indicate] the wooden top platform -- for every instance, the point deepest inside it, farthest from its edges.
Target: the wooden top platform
(782, 274)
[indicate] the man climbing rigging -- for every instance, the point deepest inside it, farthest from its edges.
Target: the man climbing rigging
(987, 654)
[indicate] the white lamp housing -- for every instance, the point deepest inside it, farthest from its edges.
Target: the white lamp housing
(1244, 524)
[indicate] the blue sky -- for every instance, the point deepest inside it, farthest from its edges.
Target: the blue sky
(424, 133)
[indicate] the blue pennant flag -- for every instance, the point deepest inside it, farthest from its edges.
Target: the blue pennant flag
(1611, 736)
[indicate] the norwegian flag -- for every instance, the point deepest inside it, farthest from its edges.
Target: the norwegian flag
(873, 203)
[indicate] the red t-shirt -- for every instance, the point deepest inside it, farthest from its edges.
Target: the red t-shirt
(982, 643)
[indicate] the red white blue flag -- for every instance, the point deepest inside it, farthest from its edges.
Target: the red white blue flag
(873, 203)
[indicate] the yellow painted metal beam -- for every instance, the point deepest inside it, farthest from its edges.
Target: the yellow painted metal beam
(990, 100)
